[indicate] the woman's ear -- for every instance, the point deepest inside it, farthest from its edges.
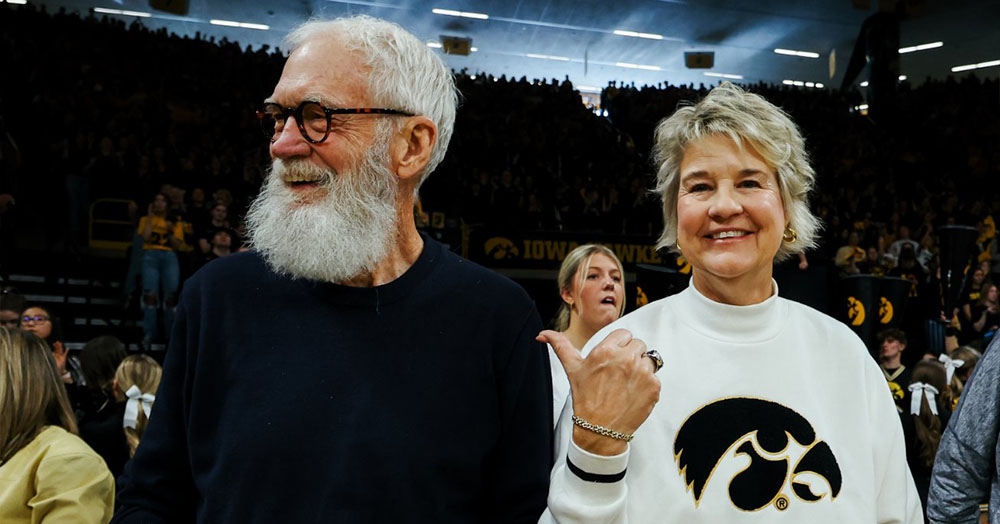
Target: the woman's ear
(567, 297)
(116, 390)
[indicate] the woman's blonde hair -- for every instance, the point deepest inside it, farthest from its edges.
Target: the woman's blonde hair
(749, 121)
(32, 394)
(570, 268)
(144, 373)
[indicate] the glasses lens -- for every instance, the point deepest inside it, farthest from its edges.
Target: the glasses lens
(314, 121)
(271, 120)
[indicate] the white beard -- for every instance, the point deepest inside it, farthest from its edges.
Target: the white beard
(343, 235)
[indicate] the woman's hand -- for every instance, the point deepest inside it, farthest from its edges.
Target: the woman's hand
(613, 387)
(60, 353)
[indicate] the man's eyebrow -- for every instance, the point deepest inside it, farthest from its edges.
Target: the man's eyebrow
(323, 100)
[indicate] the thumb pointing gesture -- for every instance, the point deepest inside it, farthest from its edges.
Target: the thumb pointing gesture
(569, 356)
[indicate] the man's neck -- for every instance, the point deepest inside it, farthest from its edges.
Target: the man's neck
(221, 251)
(891, 364)
(403, 253)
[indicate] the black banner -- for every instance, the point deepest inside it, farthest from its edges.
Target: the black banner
(547, 250)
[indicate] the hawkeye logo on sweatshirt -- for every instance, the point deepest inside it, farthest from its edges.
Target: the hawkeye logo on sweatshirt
(769, 452)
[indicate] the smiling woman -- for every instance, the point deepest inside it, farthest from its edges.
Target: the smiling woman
(769, 406)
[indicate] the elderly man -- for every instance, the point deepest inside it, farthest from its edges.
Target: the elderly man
(348, 369)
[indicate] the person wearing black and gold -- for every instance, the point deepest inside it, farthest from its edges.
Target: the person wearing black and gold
(892, 343)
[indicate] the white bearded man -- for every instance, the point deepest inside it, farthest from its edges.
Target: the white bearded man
(348, 368)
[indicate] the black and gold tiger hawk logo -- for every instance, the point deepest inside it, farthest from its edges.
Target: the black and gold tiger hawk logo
(885, 310)
(500, 248)
(760, 430)
(855, 311)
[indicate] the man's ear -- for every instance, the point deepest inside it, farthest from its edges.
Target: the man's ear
(412, 145)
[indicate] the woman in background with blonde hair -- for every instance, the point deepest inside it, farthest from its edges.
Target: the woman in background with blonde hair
(135, 382)
(47, 474)
(591, 284)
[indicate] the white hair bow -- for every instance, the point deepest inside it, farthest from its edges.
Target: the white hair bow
(950, 366)
(135, 399)
(917, 392)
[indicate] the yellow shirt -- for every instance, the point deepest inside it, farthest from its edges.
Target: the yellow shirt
(158, 238)
(56, 478)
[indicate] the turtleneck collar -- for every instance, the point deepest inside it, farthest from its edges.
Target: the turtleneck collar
(733, 324)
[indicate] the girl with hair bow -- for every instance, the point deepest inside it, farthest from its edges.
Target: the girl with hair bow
(924, 421)
(136, 380)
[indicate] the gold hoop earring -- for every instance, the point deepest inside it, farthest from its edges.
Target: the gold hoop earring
(790, 235)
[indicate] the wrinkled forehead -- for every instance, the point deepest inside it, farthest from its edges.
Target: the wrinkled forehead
(324, 69)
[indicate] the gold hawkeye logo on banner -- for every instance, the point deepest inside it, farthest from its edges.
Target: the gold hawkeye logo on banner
(855, 311)
(884, 310)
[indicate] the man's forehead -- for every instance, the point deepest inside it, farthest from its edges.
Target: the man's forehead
(323, 69)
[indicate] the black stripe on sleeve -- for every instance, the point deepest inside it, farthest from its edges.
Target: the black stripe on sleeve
(594, 477)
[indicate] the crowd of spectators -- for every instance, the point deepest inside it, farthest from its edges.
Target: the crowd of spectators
(137, 112)
(165, 124)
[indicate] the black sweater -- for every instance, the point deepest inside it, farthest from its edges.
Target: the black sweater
(291, 401)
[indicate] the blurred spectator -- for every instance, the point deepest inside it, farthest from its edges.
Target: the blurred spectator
(38, 320)
(219, 219)
(47, 473)
(162, 236)
(924, 420)
(11, 305)
(135, 385)
(892, 343)
(101, 422)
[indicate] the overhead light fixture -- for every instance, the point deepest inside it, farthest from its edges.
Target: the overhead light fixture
(636, 34)
(434, 45)
(724, 75)
(902, 77)
(802, 83)
(980, 65)
(548, 57)
(122, 12)
(864, 84)
(637, 66)
(244, 25)
(473, 49)
(792, 52)
(588, 89)
(464, 14)
(921, 47)
(18, 2)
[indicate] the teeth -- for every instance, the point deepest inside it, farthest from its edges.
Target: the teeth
(729, 234)
(299, 178)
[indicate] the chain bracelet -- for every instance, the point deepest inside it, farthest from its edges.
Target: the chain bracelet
(601, 430)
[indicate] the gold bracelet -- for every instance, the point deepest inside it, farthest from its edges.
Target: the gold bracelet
(601, 430)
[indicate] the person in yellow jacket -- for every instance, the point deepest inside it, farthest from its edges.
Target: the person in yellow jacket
(47, 473)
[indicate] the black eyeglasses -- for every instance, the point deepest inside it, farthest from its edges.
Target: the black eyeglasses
(313, 119)
(36, 318)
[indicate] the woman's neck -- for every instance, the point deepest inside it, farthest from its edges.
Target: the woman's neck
(743, 291)
(578, 333)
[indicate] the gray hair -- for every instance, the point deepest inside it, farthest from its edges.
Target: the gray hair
(405, 73)
(747, 119)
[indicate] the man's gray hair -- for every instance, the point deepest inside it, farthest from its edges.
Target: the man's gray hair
(750, 121)
(405, 73)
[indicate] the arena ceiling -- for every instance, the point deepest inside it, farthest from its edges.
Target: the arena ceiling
(641, 41)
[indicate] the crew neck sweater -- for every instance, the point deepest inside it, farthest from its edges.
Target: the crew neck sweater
(771, 412)
(426, 399)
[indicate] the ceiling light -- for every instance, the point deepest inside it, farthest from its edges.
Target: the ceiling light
(902, 77)
(434, 45)
(636, 34)
(465, 14)
(980, 65)
(792, 52)
(724, 75)
(637, 66)
(18, 2)
(921, 47)
(864, 84)
(588, 89)
(473, 49)
(244, 25)
(801, 83)
(122, 12)
(548, 57)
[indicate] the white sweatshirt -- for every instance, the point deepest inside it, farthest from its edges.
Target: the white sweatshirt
(768, 413)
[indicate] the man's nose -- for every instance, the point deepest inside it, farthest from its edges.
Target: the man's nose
(289, 143)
